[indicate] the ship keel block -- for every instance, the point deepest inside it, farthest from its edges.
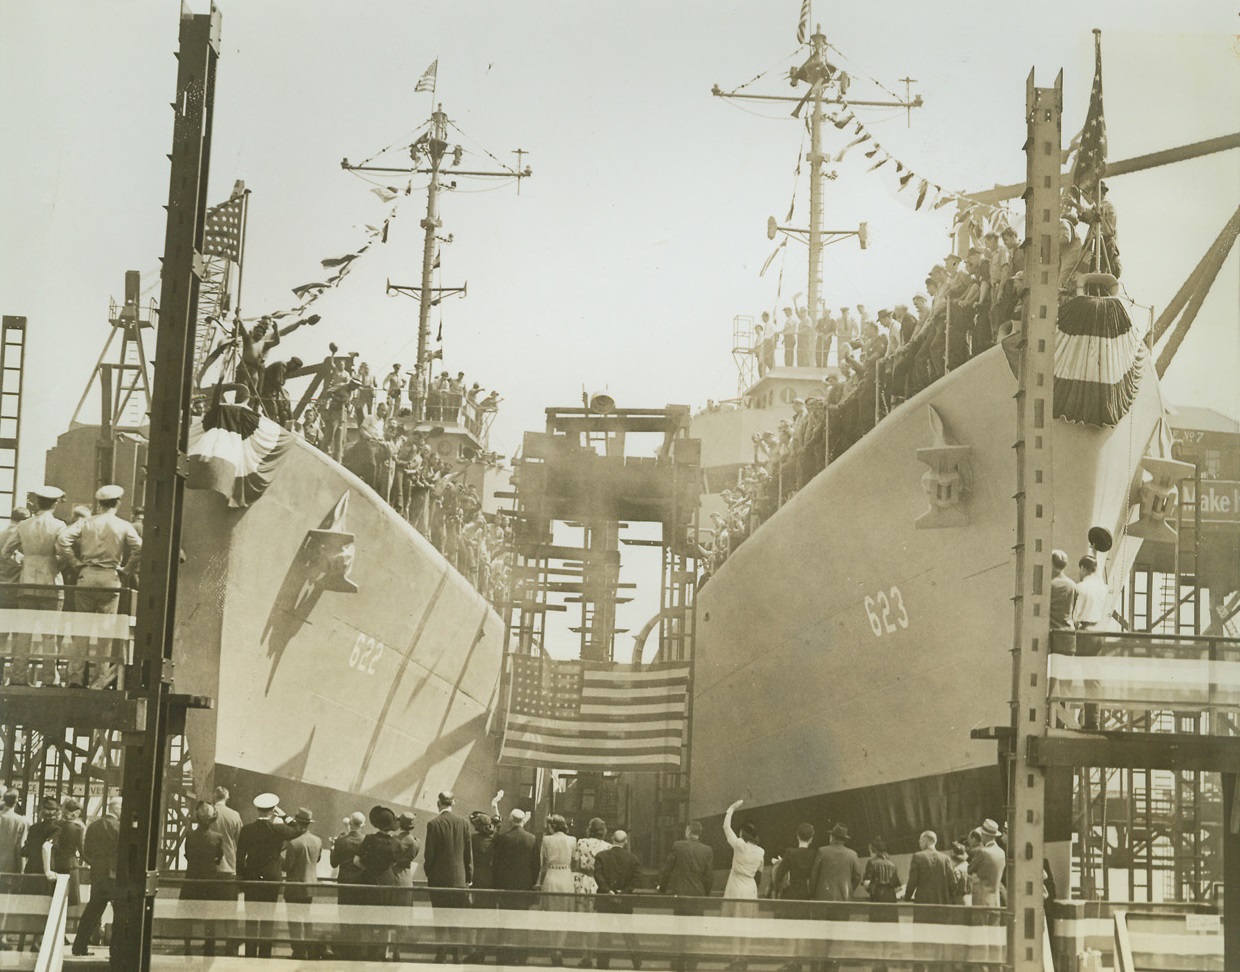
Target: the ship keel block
(381, 695)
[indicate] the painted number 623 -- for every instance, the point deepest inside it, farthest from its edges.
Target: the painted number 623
(885, 611)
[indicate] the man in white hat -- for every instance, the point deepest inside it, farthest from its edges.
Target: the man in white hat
(34, 539)
(101, 548)
(986, 865)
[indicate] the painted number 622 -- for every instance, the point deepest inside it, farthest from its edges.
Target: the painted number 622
(886, 612)
(366, 651)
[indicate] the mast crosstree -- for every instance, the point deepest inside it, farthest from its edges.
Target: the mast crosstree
(827, 86)
(427, 154)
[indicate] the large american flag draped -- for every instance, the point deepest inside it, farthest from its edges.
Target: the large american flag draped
(222, 235)
(595, 715)
(1091, 159)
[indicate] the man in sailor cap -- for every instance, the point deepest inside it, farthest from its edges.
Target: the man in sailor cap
(33, 544)
(101, 548)
(98, 550)
(259, 847)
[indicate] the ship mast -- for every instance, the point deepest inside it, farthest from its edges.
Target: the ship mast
(828, 85)
(816, 205)
(436, 145)
(431, 148)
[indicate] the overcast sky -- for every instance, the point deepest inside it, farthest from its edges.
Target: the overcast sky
(623, 261)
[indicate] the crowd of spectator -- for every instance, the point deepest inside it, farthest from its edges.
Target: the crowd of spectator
(969, 303)
(370, 426)
(465, 860)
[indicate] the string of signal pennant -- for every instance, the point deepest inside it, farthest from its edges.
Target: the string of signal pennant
(929, 193)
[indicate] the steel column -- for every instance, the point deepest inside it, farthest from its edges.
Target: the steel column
(142, 789)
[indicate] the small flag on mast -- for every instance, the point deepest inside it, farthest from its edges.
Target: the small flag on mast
(803, 24)
(1091, 157)
(427, 81)
(221, 235)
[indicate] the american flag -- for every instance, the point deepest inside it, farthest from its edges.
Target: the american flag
(427, 81)
(595, 715)
(222, 236)
(1091, 159)
(803, 23)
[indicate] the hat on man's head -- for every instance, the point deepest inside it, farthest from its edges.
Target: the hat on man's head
(406, 821)
(989, 828)
(517, 815)
(840, 830)
(303, 815)
(919, 296)
(884, 312)
(46, 492)
(49, 804)
(112, 492)
(266, 801)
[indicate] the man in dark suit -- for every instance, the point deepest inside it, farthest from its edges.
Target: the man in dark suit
(688, 873)
(615, 870)
(449, 860)
(259, 867)
(837, 870)
(99, 850)
(931, 877)
(515, 870)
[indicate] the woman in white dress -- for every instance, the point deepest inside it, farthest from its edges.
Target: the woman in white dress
(747, 861)
(555, 877)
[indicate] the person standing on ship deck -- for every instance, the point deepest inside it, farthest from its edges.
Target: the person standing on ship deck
(789, 334)
(806, 339)
(393, 388)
